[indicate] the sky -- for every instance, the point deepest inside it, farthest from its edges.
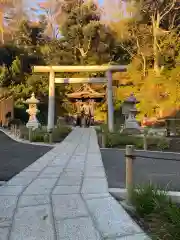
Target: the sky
(112, 8)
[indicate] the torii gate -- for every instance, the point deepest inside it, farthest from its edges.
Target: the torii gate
(108, 69)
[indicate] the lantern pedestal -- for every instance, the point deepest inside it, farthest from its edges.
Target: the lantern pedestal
(32, 123)
(131, 126)
(129, 110)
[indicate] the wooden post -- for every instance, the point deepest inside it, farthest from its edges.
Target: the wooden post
(145, 141)
(15, 130)
(30, 134)
(129, 170)
(12, 129)
(50, 138)
(145, 133)
(103, 142)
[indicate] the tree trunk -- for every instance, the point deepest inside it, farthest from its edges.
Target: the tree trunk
(2, 27)
(155, 25)
(144, 65)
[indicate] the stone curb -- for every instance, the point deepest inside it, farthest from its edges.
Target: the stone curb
(142, 150)
(121, 193)
(17, 139)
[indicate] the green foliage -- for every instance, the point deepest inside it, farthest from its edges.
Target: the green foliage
(41, 134)
(153, 46)
(114, 140)
(16, 71)
(86, 40)
(120, 140)
(147, 198)
(5, 77)
(160, 215)
(29, 36)
(20, 113)
(163, 144)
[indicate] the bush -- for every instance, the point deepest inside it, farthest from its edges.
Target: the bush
(60, 133)
(16, 122)
(163, 144)
(41, 134)
(159, 213)
(24, 134)
(146, 199)
(113, 140)
(119, 139)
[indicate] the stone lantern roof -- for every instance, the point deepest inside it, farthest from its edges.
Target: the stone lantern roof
(32, 100)
(131, 99)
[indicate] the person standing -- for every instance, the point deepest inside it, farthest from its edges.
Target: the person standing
(87, 114)
(82, 115)
(78, 115)
(91, 112)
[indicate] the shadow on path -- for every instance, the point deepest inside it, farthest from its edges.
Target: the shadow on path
(14, 156)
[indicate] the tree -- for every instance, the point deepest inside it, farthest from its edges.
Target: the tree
(11, 14)
(52, 13)
(4, 77)
(5, 6)
(162, 16)
(151, 38)
(85, 38)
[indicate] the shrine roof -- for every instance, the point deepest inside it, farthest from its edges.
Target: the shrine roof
(85, 91)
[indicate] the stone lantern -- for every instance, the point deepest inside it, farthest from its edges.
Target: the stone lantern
(128, 104)
(32, 111)
(130, 111)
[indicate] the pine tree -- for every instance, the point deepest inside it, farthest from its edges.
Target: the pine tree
(5, 77)
(16, 72)
(85, 39)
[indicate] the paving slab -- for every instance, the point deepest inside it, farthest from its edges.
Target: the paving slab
(4, 233)
(7, 209)
(33, 222)
(31, 200)
(64, 195)
(59, 190)
(140, 236)
(79, 228)
(111, 218)
(69, 206)
(40, 186)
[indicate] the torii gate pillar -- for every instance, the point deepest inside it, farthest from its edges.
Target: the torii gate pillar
(110, 101)
(51, 104)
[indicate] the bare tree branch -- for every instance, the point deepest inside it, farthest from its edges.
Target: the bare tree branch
(167, 9)
(173, 21)
(89, 46)
(127, 50)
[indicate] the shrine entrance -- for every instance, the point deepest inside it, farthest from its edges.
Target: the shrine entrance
(107, 69)
(85, 96)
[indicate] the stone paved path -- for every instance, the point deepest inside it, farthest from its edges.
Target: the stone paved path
(64, 195)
